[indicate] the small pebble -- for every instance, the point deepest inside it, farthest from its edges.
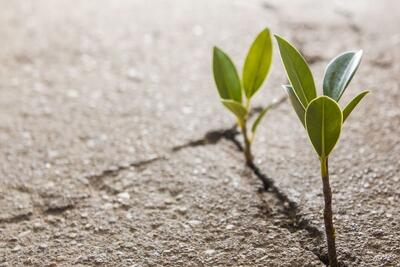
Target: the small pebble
(194, 222)
(182, 210)
(37, 226)
(124, 196)
(229, 227)
(16, 248)
(23, 234)
(209, 252)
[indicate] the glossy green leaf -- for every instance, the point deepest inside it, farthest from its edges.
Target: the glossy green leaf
(298, 72)
(259, 118)
(226, 76)
(352, 104)
(257, 63)
(323, 123)
(297, 106)
(236, 108)
(339, 73)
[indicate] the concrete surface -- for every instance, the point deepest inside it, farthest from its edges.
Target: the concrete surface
(94, 96)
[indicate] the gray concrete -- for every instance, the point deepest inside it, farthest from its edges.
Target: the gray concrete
(95, 94)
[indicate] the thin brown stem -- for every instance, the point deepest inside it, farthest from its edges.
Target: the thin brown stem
(328, 217)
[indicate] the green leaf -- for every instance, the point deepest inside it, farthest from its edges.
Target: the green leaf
(352, 104)
(298, 72)
(259, 118)
(236, 108)
(339, 73)
(226, 76)
(323, 124)
(258, 63)
(297, 106)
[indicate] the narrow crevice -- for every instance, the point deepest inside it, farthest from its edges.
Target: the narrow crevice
(323, 258)
(18, 218)
(97, 180)
(311, 242)
(295, 222)
(58, 210)
(291, 208)
(213, 137)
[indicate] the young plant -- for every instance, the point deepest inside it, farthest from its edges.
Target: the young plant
(321, 116)
(231, 88)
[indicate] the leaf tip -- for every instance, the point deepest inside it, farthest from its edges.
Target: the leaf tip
(266, 30)
(278, 37)
(358, 55)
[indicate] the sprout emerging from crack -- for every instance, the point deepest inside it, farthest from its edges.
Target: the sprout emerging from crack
(231, 88)
(321, 116)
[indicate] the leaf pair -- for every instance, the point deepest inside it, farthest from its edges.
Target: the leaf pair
(255, 70)
(321, 116)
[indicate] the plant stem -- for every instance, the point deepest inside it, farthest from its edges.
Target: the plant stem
(247, 145)
(329, 229)
(247, 142)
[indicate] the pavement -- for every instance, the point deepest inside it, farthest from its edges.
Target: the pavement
(115, 150)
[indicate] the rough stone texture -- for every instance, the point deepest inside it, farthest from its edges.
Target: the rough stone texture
(95, 94)
(187, 210)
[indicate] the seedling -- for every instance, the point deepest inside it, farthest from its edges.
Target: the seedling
(231, 88)
(321, 116)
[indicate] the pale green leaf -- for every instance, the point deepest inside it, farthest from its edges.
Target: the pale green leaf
(226, 76)
(257, 63)
(339, 73)
(236, 108)
(352, 104)
(297, 106)
(323, 123)
(259, 118)
(298, 72)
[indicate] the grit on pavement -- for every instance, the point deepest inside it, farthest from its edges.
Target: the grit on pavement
(115, 149)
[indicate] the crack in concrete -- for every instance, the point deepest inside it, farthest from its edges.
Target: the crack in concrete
(39, 208)
(58, 210)
(17, 218)
(213, 137)
(96, 181)
(289, 207)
